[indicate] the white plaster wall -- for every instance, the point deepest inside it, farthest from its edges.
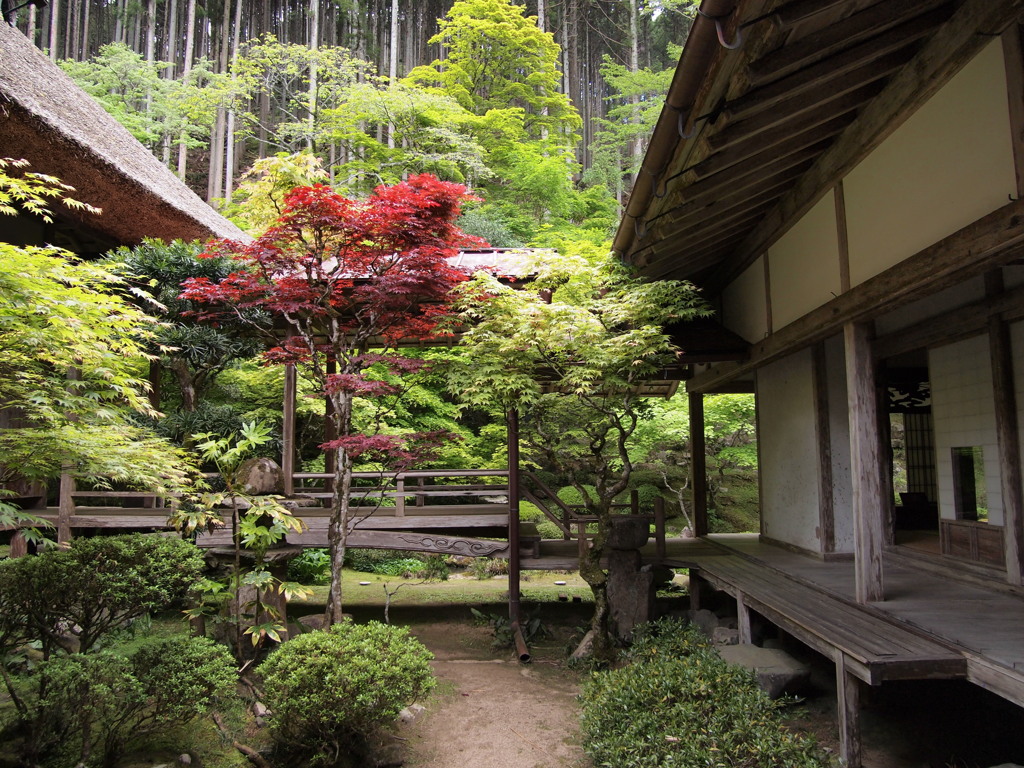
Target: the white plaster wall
(931, 306)
(964, 415)
(948, 165)
(744, 306)
(839, 439)
(788, 451)
(803, 265)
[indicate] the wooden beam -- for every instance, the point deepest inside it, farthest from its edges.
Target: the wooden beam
(943, 55)
(826, 507)
(830, 103)
(990, 241)
(698, 465)
(953, 325)
(848, 709)
(1013, 58)
(780, 140)
(865, 463)
(1008, 439)
(743, 620)
(831, 39)
(793, 13)
(889, 42)
(842, 238)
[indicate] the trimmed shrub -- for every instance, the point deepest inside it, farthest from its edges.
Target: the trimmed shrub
(97, 703)
(678, 705)
(97, 585)
(313, 566)
(328, 690)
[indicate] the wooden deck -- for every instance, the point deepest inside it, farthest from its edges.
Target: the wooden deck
(984, 627)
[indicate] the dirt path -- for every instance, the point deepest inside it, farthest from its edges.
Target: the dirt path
(490, 711)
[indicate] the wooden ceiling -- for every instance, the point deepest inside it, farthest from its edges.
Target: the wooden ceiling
(751, 137)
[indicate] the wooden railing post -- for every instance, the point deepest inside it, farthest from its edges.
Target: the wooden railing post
(400, 497)
(659, 527)
(66, 507)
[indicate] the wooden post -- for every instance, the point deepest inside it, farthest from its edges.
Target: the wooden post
(65, 508)
(698, 465)
(400, 497)
(659, 527)
(869, 503)
(513, 514)
(1008, 438)
(826, 512)
(696, 589)
(848, 709)
(743, 620)
(288, 429)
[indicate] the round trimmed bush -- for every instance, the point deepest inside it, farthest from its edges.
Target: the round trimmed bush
(328, 690)
(677, 704)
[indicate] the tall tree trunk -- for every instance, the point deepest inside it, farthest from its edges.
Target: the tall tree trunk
(171, 33)
(394, 43)
(31, 31)
(229, 160)
(634, 67)
(54, 21)
(84, 50)
(186, 68)
(314, 45)
(151, 31)
(119, 19)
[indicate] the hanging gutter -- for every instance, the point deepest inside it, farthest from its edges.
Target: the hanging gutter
(702, 44)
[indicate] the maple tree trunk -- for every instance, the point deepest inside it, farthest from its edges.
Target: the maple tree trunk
(597, 579)
(337, 532)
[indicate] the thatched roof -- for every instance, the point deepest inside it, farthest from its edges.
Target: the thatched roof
(48, 120)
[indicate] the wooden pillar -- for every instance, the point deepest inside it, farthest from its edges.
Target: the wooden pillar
(743, 620)
(1008, 438)
(288, 429)
(826, 510)
(659, 527)
(869, 503)
(66, 507)
(698, 465)
(513, 514)
(848, 709)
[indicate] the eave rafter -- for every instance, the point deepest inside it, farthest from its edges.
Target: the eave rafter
(776, 124)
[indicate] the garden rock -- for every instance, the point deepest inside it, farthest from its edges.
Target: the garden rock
(628, 532)
(777, 672)
(725, 636)
(631, 592)
(705, 620)
(411, 712)
(260, 476)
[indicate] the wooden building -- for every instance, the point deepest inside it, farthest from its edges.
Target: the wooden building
(843, 179)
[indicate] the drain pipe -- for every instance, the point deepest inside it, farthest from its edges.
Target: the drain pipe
(520, 641)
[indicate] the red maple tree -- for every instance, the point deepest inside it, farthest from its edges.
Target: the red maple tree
(345, 281)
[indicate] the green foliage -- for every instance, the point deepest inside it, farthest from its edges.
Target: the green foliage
(313, 566)
(97, 584)
(58, 314)
(678, 705)
(33, 192)
(328, 690)
(152, 107)
(531, 627)
(99, 703)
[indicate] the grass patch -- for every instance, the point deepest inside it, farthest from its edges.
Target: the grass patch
(462, 589)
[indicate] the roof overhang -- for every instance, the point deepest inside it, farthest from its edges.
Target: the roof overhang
(47, 119)
(750, 138)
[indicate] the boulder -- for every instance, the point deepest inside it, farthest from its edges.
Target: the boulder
(725, 636)
(777, 672)
(260, 476)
